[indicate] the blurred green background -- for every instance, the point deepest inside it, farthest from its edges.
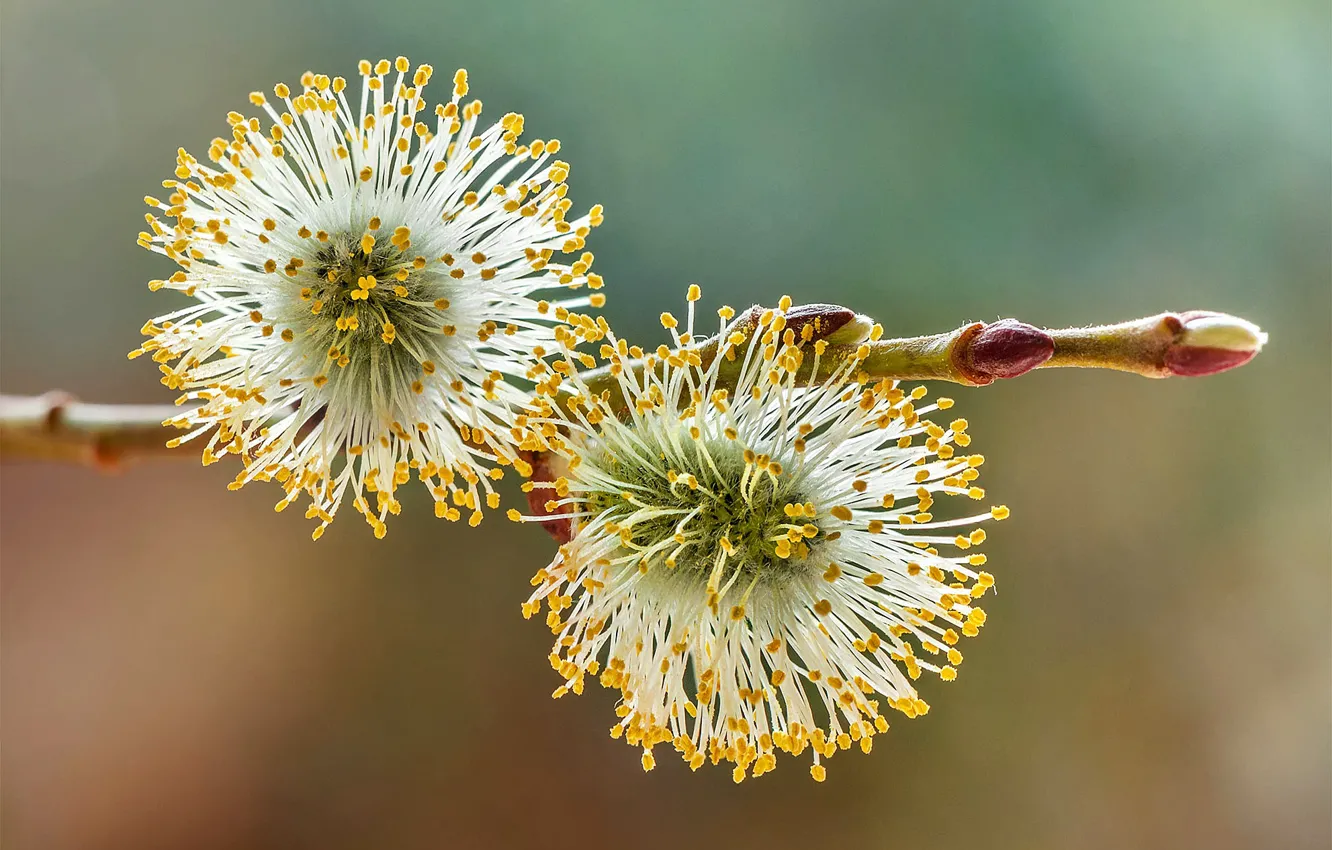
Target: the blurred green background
(184, 668)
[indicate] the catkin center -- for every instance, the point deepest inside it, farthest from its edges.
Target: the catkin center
(764, 524)
(372, 317)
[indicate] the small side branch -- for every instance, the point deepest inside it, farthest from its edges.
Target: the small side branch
(1191, 344)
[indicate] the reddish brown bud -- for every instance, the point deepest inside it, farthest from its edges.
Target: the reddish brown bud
(1003, 349)
(1207, 343)
(546, 468)
(830, 322)
(826, 319)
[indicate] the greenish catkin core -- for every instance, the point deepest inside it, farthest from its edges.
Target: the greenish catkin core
(371, 346)
(753, 525)
(338, 266)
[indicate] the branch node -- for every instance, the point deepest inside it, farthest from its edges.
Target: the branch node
(56, 401)
(1003, 349)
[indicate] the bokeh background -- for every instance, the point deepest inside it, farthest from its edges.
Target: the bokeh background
(184, 668)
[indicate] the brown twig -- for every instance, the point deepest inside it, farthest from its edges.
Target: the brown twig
(55, 427)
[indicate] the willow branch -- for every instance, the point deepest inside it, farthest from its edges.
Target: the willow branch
(55, 427)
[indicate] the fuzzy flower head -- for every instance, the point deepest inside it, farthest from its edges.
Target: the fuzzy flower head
(758, 570)
(366, 276)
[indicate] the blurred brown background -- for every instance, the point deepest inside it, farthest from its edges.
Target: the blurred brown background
(184, 668)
